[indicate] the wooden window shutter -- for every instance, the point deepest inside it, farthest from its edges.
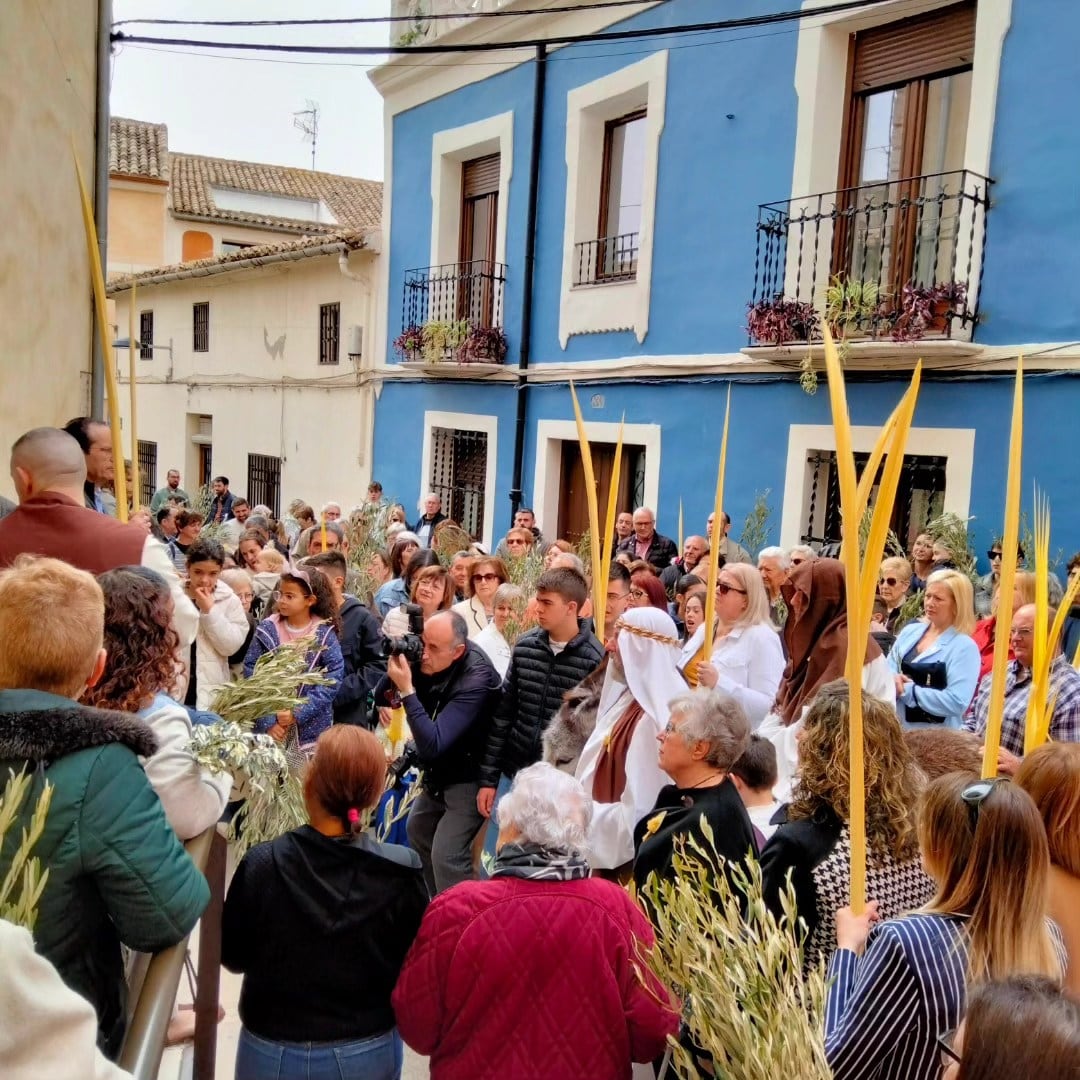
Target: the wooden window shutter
(480, 177)
(914, 48)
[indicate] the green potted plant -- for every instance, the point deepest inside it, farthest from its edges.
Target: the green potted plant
(851, 306)
(442, 339)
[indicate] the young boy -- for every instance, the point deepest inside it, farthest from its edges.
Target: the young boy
(545, 663)
(361, 649)
(117, 873)
(754, 776)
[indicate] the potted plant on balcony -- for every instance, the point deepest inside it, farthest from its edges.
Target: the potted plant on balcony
(410, 343)
(483, 345)
(779, 321)
(927, 309)
(442, 339)
(851, 307)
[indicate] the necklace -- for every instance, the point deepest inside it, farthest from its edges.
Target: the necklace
(717, 777)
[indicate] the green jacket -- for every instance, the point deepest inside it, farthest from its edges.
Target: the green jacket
(117, 873)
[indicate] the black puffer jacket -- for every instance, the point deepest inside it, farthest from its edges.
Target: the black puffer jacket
(532, 693)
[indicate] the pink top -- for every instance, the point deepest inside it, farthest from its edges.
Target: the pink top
(287, 634)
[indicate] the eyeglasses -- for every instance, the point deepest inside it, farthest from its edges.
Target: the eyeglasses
(723, 589)
(945, 1045)
(638, 594)
(974, 795)
(485, 577)
(1020, 632)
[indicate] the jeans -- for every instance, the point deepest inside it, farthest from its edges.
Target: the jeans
(441, 831)
(376, 1058)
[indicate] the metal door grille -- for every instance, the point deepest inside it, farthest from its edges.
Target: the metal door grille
(459, 475)
(329, 333)
(147, 471)
(264, 481)
(919, 497)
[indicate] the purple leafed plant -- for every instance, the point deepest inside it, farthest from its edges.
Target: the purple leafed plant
(409, 342)
(779, 321)
(927, 308)
(483, 345)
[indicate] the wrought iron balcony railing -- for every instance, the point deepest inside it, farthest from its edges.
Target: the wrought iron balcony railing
(901, 258)
(611, 258)
(454, 312)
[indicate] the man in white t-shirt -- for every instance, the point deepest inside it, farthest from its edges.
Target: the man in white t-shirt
(754, 776)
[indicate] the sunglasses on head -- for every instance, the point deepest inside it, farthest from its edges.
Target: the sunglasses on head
(974, 795)
(723, 589)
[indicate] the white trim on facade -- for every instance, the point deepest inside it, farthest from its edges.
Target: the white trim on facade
(489, 425)
(449, 150)
(957, 445)
(547, 473)
(623, 305)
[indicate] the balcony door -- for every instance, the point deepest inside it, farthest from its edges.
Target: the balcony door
(904, 148)
(476, 248)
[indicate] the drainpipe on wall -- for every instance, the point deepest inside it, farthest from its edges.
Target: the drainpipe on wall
(527, 279)
(101, 191)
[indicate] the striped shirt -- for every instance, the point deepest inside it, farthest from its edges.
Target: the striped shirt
(884, 1012)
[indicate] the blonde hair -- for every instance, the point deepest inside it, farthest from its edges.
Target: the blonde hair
(272, 559)
(52, 625)
(963, 596)
(1051, 776)
(992, 864)
(899, 565)
(757, 599)
(1024, 584)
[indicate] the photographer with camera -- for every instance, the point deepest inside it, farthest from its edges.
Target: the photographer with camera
(449, 690)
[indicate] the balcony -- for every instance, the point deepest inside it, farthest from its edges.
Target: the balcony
(429, 19)
(609, 259)
(453, 314)
(897, 261)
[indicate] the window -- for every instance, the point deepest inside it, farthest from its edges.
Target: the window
(146, 335)
(458, 475)
(272, 204)
(206, 464)
(264, 481)
(147, 471)
(615, 254)
(475, 285)
(200, 339)
(329, 333)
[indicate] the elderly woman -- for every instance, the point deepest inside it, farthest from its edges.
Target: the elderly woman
(467, 993)
(705, 735)
(747, 659)
(486, 574)
(318, 922)
(519, 542)
(431, 588)
(936, 662)
(894, 583)
(508, 603)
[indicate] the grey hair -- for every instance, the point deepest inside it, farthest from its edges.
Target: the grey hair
(775, 553)
(571, 561)
(548, 807)
(334, 527)
(716, 718)
(508, 593)
(331, 506)
(803, 549)
(424, 498)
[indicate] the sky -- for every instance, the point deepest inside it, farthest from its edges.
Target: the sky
(243, 108)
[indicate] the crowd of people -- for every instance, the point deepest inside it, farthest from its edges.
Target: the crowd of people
(564, 762)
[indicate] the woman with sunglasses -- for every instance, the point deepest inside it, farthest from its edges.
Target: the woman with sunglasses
(896, 987)
(894, 584)
(486, 574)
(747, 660)
(936, 663)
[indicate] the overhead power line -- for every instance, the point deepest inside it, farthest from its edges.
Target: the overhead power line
(470, 47)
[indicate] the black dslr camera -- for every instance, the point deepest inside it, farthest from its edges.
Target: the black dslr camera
(411, 643)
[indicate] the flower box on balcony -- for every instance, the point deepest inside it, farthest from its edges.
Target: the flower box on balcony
(456, 343)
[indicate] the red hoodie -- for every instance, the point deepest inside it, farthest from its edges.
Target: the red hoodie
(535, 980)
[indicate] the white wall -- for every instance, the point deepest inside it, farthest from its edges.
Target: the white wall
(316, 418)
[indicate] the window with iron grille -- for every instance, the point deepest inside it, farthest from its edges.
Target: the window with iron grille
(200, 340)
(919, 498)
(147, 471)
(146, 335)
(459, 476)
(264, 481)
(329, 333)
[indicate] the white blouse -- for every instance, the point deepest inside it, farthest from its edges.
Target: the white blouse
(750, 662)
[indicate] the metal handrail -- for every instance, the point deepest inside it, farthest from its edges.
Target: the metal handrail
(154, 978)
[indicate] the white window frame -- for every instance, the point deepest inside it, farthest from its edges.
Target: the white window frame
(617, 305)
(547, 475)
(489, 425)
(956, 445)
(450, 149)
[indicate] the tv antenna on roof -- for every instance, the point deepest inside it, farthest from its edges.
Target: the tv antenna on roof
(307, 121)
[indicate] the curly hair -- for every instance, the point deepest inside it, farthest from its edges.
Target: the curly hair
(894, 782)
(139, 639)
(315, 584)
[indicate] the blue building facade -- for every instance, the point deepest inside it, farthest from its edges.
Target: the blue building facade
(903, 176)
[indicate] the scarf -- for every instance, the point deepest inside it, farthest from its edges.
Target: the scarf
(535, 863)
(815, 634)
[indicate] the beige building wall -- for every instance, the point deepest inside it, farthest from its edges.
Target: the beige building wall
(242, 234)
(260, 389)
(47, 94)
(137, 211)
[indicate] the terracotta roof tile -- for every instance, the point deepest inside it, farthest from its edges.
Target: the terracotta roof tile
(137, 148)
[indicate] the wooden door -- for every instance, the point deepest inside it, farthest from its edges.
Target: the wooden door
(573, 501)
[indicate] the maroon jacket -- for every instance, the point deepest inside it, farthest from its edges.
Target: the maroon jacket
(532, 979)
(52, 524)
